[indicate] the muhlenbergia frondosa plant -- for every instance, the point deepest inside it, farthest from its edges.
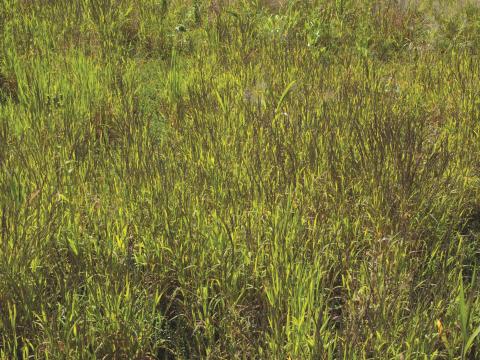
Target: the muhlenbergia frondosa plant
(239, 179)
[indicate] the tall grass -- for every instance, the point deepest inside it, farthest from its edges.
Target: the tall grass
(239, 179)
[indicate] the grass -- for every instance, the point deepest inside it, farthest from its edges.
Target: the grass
(251, 179)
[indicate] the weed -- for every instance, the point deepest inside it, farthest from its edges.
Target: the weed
(239, 179)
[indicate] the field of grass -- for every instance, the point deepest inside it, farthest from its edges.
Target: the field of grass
(249, 179)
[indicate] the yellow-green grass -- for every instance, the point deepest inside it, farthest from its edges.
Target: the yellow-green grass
(251, 179)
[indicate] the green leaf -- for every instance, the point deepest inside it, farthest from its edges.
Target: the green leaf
(284, 95)
(73, 246)
(470, 341)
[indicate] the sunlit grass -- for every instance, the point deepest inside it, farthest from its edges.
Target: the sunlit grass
(239, 179)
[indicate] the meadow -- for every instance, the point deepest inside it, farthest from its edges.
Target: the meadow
(250, 179)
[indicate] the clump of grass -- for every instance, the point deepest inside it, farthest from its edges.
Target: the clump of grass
(239, 179)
